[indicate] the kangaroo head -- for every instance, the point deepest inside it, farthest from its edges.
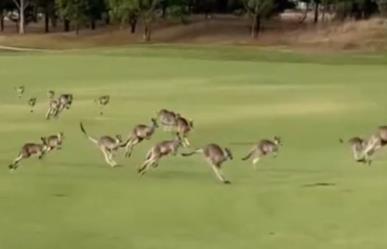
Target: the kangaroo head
(60, 135)
(228, 153)
(277, 140)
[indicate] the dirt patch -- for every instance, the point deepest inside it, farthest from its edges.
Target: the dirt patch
(283, 32)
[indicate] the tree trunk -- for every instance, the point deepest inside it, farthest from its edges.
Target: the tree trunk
(54, 21)
(107, 19)
(147, 32)
(133, 25)
(316, 6)
(92, 24)
(46, 21)
(164, 9)
(305, 13)
(21, 17)
(77, 28)
(66, 25)
(1, 22)
(256, 26)
(323, 14)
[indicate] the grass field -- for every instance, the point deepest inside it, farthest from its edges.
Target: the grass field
(72, 199)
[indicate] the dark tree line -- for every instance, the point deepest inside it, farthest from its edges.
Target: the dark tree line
(77, 14)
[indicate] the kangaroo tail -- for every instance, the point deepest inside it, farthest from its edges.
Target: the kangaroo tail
(85, 132)
(193, 152)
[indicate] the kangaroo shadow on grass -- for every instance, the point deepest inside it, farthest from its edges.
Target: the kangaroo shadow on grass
(319, 184)
(168, 175)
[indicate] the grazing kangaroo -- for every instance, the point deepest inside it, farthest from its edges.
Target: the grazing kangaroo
(183, 127)
(139, 133)
(54, 141)
(28, 150)
(167, 119)
(107, 145)
(215, 156)
(20, 91)
(32, 103)
(102, 101)
(263, 148)
(158, 151)
(358, 146)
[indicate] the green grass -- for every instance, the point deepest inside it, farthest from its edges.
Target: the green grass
(72, 199)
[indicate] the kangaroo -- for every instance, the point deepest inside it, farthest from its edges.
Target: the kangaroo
(167, 119)
(102, 101)
(28, 150)
(53, 109)
(65, 101)
(107, 145)
(263, 148)
(375, 142)
(139, 133)
(32, 103)
(358, 145)
(20, 91)
(215, 156)
(183, 127)
(56, 106)
(54, 141)
(158, 151)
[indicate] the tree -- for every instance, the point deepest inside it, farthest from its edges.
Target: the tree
(95, 10)
(257, 9)
(125, 11)
(5, 5)
(21, 6)
(131, 10)
(47, 7)
(73, 10)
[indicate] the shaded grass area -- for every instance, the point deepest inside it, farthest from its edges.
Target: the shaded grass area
(311, 196)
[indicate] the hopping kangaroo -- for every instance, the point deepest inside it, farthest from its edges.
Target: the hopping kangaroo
(358, 145)
(139, 133)
(32, 103)
(102, 101)
(53, 109)
(20, 91)
(215, 156)
(54, 141)
(375, 142)
(167, 119)
(107, 145)
(263, 148)
(28, 150)
(183, 127)
(65, 101)
(56, 106)
(160, 150)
